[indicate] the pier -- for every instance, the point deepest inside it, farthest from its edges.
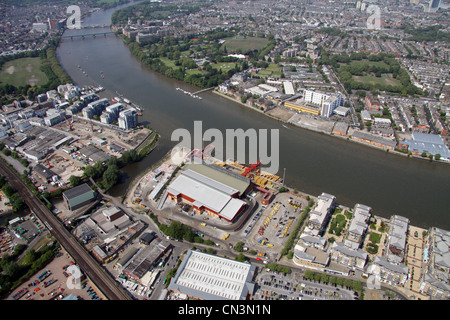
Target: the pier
(195, 94)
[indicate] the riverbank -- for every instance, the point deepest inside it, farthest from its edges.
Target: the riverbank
(316, 126)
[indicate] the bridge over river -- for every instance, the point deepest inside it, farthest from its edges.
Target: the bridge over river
(87, 35)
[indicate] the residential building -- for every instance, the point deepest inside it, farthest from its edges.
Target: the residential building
(128, 119)
(320, 215)
(436, 279)
(53, 119)
(352, 258)
(358, 226)
(392, 274)
(373, 104)
(310, 257)
(396, 239)
(114, 111)
(327, 101)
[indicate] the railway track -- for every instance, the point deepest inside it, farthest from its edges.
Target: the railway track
(105, 283)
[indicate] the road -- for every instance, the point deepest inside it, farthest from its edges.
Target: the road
(110, 288)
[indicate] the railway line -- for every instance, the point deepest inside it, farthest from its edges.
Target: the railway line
(110, 288)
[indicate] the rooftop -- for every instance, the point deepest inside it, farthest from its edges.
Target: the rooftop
(77, 191)
(222, 175)
(214, 278)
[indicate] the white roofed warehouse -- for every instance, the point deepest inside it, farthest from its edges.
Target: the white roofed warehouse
(208, 277)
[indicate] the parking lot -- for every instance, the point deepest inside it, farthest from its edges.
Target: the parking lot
(271, 226)
(53, 283)
(276, 286)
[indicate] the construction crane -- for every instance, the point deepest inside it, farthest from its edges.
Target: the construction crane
(248, 171)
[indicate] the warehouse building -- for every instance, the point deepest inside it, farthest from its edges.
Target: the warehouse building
(146, 259)
(214, 193)
(429, 143)
(78, 196)
(208, 277)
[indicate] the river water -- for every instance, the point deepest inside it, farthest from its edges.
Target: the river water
(315, 163)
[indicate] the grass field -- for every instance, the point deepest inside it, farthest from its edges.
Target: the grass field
(249, 43)
(272, 70)
(372, 80)
(224, 66)
(168, 62)
(23, 71)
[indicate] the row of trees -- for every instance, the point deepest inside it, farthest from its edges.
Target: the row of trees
(179, 231)
(287, 249)
(109, 172)
(356, 285)
(14, 273)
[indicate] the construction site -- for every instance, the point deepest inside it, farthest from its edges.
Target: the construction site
(64, 149)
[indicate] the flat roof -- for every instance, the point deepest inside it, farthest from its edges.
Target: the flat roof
(430, 143)
(197, 190)
(222, 175)
(211, 277)
(208, 193)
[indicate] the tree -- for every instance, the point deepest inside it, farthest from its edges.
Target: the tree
(357, 285)
(74, 180)
(317, 277)
(16, 202)
(324, 278)
(8, 190)
(241, 257)
(111, 176)
(308, 274)
(99, 168)
(90, 172)
(238, 247)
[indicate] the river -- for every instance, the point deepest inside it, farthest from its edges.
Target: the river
(315, 163)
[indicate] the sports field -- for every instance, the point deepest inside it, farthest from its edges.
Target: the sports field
(244, 43)
(23, 71)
